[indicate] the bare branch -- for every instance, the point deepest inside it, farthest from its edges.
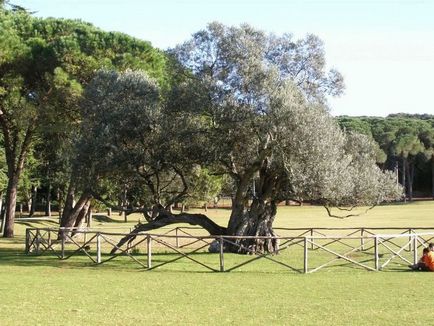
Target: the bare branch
(329, 212)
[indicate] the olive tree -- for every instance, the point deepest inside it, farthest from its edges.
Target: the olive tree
(243, 110)
(264, 96)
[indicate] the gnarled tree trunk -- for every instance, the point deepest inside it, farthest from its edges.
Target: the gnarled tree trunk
(257, 221)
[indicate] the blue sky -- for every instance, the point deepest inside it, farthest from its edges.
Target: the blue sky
(384, 48)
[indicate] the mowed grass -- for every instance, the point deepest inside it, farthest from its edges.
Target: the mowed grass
(45, 290)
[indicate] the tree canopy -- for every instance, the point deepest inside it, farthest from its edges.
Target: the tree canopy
(237, 111)
(44, 64)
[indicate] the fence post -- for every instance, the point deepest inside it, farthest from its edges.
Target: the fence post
(362, 240)
(376, 254)
(38, 233)
(149, 250)
(222, 260)
(414, 248)
(62, 244)
(27, 241)
(84, 235)
(98, 248)
(176, 239)
(305, 255)
(410, 245)
(311, 235)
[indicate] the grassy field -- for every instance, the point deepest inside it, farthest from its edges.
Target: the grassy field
(46, 290)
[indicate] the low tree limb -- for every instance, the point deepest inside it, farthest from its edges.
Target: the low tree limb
(167, 218)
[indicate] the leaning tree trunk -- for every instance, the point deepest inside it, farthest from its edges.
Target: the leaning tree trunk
(69, 203)
(68, 221)
(81, 216)
(257, 221)
(165, 217)
(11, 203)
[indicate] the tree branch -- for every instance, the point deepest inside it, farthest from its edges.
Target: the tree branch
(183, 192)
(166, 218)
(329, 212)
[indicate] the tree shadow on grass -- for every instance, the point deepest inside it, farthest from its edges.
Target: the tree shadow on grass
(17, 240)
(15, 257)
(105, 219)
(34, 224)
(18, 258)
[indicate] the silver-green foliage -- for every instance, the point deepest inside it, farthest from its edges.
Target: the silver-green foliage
(252, 108)
(265, 97)
(120, 126)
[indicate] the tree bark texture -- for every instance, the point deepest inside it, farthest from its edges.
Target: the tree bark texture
(69, 203)
(254, 220)
(81, 217)
(70, 220)
(257, 221)
(16, 146)
(11, 202)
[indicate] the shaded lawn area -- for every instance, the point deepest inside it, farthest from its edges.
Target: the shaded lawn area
(45, 290)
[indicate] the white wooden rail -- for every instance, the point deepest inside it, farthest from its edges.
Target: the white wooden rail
(380, 249)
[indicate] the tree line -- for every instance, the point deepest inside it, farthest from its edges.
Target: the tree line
(405, 145)
(90, 117)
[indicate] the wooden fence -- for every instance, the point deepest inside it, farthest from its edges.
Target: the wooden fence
(313, 249)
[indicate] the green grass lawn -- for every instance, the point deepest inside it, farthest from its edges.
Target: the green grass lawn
(46, 290)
